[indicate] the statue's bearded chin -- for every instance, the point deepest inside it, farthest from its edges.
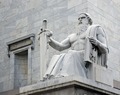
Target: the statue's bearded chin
(83, 27)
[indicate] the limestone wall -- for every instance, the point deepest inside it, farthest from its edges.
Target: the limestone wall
(19, 18)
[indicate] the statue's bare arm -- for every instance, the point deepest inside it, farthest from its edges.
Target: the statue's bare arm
(65, 44)
(100, 42)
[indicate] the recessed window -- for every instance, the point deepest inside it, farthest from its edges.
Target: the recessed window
(21, 69)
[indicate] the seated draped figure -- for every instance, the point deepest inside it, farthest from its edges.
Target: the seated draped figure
(88, 46)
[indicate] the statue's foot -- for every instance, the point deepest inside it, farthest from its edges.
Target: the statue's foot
(58, 76)
(47, 77)
(62, 75)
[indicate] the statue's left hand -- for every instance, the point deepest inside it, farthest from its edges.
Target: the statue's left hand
(93, 41)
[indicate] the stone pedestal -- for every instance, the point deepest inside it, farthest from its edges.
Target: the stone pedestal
(71, 85)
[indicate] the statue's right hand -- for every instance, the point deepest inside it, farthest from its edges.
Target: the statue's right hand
(48, 32)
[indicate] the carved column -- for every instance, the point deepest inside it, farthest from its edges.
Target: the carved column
(12, 69)
(29, 66)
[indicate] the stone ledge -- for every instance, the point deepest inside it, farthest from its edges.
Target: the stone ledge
(22, 38)
(68, 81)
(22, 42)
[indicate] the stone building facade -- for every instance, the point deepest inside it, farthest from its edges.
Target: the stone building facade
(21, 21)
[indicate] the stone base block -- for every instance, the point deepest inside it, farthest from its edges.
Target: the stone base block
(71, 85)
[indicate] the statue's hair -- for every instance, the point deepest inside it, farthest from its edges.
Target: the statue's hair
(88, 16)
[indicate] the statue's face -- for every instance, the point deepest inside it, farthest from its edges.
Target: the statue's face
(83, 19)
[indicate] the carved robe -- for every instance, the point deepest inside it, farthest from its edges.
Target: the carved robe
(92, 54)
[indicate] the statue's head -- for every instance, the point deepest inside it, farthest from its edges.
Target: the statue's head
(86, 17)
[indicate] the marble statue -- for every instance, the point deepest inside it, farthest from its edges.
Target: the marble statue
(88, 46)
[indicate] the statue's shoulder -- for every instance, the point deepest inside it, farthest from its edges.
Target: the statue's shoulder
(72, 37)
(97, 28)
